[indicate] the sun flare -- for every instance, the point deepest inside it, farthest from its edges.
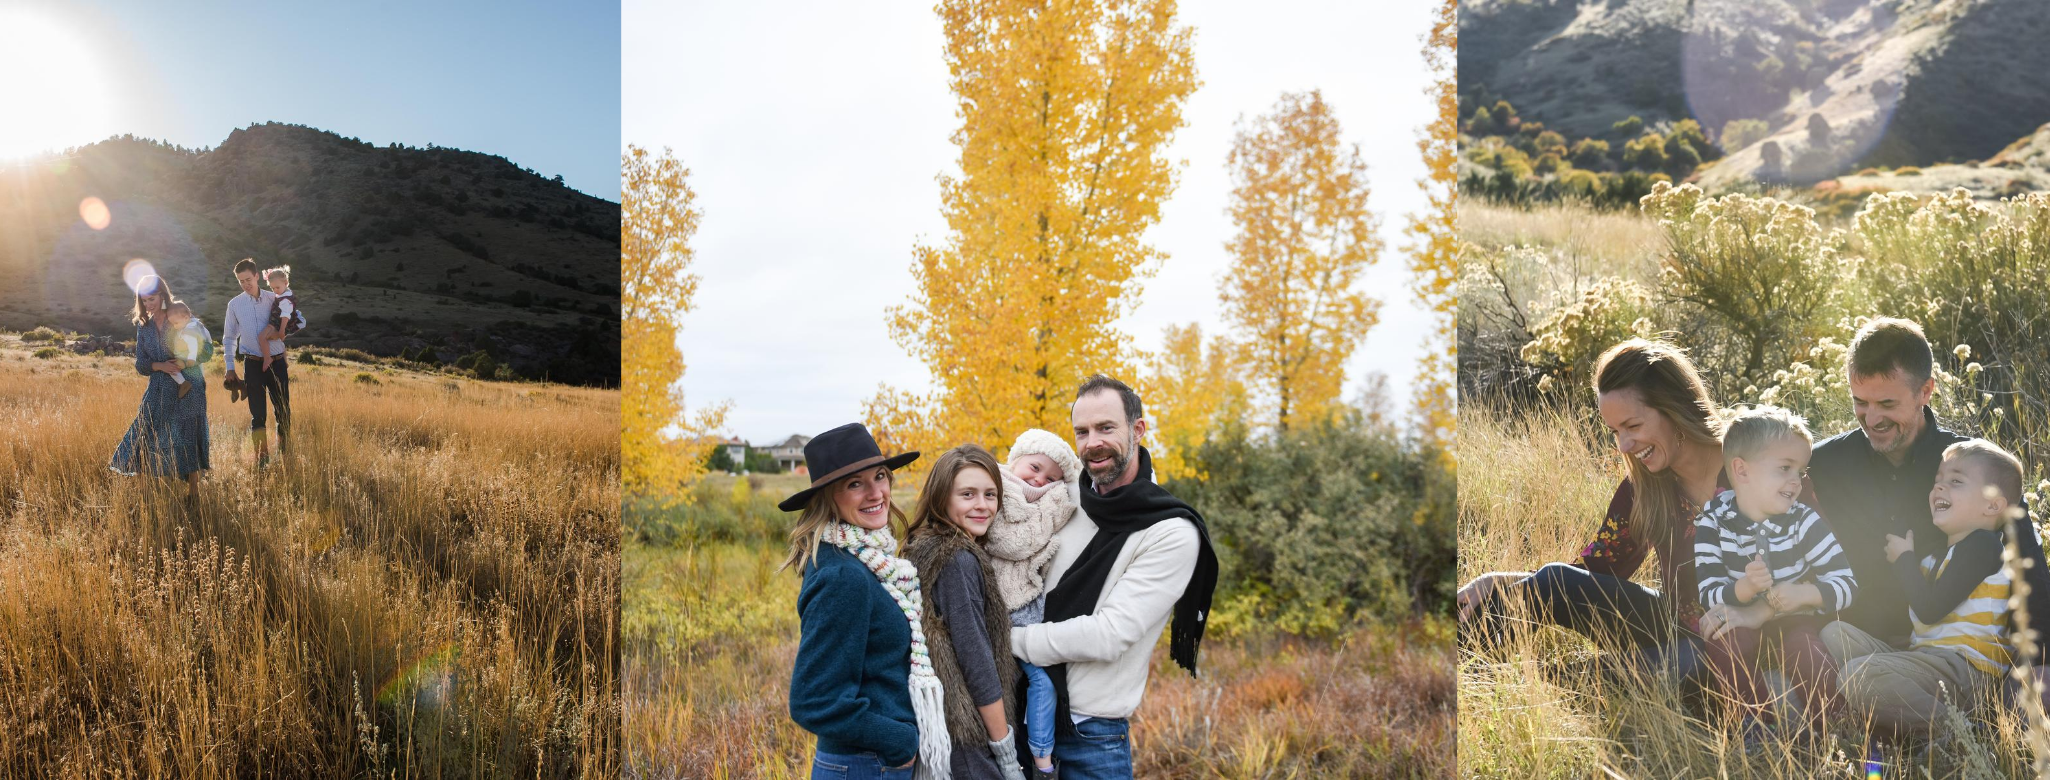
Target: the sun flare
(53, 95)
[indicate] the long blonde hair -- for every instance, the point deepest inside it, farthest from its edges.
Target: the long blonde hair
(819, 515)
(1666, 381)
(931, 509)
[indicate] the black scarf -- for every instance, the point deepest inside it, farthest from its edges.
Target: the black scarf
(1126, 511)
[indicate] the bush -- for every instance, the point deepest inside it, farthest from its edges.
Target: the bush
(1740, 133)
(48, 352)
(1758, 265)
(1565, 344)
(1629, 128)
(1590, 153)
(1908, 170)
(365, 378)
(1326, 523)
(717, 509)
(1646, 153)
(40, 334)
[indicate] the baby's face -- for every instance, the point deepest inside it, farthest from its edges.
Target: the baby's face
(1036, 470)
(279, 284)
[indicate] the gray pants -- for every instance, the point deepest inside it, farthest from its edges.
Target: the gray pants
(1901, 687)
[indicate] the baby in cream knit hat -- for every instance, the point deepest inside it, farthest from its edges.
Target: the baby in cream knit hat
(1021, 546)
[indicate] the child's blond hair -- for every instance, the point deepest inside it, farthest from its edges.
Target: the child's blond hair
(1746, 432)
(1997, 466)
(283, 270)
(179, 306)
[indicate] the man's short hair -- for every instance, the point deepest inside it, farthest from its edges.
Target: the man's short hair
(1095, 382)
(2000, 468)
(245, 264)
(1890, 343)
(1748, 432)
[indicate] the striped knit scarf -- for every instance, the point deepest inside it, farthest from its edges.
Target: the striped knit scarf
(875, 548)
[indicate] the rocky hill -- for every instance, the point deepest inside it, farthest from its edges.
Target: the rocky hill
(1840, 84)
(432, 253)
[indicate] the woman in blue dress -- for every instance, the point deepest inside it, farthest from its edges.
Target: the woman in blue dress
(169, 436)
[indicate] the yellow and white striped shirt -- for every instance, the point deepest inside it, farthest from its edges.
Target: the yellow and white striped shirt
(1977, 625)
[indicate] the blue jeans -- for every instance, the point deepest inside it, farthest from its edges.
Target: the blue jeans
(1039, 710)
(1095, 749)
(860, 766)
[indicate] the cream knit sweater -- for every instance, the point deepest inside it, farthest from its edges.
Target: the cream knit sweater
(1108, 652)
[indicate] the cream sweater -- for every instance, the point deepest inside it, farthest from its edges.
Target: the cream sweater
(1109, 651)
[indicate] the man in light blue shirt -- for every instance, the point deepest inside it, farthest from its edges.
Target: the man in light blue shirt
(240, 338)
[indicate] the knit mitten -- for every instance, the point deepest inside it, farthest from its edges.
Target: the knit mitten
(1006, 753)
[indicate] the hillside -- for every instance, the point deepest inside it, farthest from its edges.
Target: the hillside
(1894, 82)
(394, 249)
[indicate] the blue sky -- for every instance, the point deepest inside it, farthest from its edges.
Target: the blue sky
(537, 83)
(814, 130)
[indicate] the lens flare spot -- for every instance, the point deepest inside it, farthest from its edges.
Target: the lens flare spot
(94, 212)
(136, 272)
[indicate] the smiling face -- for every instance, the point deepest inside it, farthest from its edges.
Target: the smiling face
(248, 281)
(1105, 440)
(863, 500)
(1641, 431)
(1889, 410)
(972, 501)
(1036, 470)
(1963, 501)
(1770, 483)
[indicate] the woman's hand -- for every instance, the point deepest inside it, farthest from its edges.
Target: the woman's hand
(1477, 592)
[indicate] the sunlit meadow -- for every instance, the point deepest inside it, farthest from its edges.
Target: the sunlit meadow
(428, 587)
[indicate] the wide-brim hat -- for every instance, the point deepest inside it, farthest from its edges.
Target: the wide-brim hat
(837, 453)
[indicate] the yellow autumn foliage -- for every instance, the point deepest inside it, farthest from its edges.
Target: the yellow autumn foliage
(1434, 257)
(656, 220)
(1067, 108)
(1190, 393)
(1305, 238)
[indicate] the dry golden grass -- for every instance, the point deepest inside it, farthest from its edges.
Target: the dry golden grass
(430, 589)
(711, 632)
(1595, 243)
(1532, 491)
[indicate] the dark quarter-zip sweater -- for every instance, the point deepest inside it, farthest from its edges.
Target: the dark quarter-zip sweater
(1865, 497)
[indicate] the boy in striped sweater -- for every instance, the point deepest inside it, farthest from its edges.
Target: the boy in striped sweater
(1957, 598)
(1758, 548)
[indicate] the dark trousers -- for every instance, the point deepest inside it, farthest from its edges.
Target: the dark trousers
(276, 385)
(1614, 613)
(1794, 643)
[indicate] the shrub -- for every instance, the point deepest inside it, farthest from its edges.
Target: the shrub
(1759, 265)
(365, 378)
(48, 352)
(1326, 523)
(1740, 133)
(1908, 170)
(1646, 152)
(1590, 153)
(1629, 128)
(40, 334)
(1565, 344)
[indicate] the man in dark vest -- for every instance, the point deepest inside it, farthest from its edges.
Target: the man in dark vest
(1874, 480)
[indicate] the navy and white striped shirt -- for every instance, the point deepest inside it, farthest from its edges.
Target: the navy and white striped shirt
(1797, 546)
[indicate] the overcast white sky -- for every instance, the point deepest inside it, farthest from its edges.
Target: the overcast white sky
(814, 132)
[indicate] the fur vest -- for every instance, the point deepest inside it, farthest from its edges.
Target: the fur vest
(930, 550)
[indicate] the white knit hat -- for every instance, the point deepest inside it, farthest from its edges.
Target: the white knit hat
(1037, 442)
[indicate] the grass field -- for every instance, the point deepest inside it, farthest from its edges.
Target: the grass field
(428, 588)
(710, 633)
(1532, 491)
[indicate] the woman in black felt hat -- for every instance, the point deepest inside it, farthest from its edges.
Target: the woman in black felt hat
(863, 681)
